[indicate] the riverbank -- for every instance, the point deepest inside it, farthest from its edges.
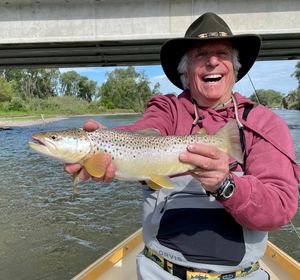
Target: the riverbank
(9, 122)
(21, 121)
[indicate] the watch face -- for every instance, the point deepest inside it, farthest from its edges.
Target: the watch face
(228, 191)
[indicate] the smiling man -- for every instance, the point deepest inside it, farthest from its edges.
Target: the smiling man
(213, 224)
(208, 72)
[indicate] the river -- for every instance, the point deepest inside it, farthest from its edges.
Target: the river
(49, 233)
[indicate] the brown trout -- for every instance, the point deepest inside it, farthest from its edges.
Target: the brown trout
(137, 156)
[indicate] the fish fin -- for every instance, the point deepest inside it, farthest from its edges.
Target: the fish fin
(163, 182)
(75, 182)
(94, 165)
(202, 131)
(153, 185)
(231, 133)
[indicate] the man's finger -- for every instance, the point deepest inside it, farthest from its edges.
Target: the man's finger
(83, 175)
(72, 168)
(110, 173)
(92, 125)
(200, 161)
(204, 150)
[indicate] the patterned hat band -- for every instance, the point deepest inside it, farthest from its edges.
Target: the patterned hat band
(213, 35)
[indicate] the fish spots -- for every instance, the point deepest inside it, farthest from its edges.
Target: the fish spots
(132, 146)
(134, 155)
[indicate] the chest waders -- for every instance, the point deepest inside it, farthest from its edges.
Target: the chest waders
(189, 228)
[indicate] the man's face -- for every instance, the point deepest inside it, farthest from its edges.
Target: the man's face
(210, 73)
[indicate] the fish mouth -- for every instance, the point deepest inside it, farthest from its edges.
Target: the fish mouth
(49, 147)
(42, 146)
(38, 141)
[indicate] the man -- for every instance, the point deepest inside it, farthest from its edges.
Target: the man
(214, 223)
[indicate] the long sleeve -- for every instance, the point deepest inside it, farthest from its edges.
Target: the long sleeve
(266, 197)
(167, 114)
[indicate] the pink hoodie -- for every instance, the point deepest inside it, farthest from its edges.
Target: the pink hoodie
(266, 197)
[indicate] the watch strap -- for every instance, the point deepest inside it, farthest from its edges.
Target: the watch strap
(226, 189)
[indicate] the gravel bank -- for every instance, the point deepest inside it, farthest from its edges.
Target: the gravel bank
(14, 123)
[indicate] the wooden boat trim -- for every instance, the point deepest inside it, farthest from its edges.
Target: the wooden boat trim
(110, 259)
(283, 260)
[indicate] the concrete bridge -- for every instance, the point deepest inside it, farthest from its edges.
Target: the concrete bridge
(66, 33)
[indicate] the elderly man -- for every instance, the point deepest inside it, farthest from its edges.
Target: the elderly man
(214, 223)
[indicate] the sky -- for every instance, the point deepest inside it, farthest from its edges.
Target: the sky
(275, 75)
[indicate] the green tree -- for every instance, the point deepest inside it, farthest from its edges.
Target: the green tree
(297, 74)
(6, 90)
(14, 77)
(69, 83)
(73, 84)
(292, 100)
(87, 88)
(126, 89)
(269, 98)
(46, 82)
(30, 83)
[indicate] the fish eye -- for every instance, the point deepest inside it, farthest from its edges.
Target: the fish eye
(53, 137)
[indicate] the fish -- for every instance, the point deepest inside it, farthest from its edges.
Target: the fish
(137, 156)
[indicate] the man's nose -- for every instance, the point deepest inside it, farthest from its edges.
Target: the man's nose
(212, 60)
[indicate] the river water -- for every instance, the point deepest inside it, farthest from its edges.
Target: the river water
(47, 232)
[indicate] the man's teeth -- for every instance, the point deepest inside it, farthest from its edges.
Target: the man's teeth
(212, 78)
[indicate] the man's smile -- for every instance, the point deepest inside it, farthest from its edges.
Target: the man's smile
(212, 78)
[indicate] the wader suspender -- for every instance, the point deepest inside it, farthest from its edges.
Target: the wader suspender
(197, 117)
(246, 112)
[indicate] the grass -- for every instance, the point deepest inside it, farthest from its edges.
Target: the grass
(38, 109)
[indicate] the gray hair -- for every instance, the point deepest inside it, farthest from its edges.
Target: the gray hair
(183, 65)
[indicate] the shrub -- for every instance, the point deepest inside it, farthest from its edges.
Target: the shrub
(16, 104)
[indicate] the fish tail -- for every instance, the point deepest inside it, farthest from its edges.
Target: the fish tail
(231, 134)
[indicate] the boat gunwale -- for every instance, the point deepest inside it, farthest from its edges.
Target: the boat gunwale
(112, 257)
(109, 259)
(283, 260)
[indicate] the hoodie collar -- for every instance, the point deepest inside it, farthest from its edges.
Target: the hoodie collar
(225, 111)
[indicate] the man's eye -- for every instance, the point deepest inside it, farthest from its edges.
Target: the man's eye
(223, 53)
(200, 54)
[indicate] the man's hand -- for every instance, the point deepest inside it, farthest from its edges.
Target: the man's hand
(91, 125)
(212, 165)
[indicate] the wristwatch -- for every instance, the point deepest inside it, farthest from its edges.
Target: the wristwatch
(225, 190)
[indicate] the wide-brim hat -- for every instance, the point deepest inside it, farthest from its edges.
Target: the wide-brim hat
(208, 27)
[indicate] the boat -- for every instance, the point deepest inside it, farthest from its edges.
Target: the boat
(119, 263)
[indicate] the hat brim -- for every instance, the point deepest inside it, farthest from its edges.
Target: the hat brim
(248, 46)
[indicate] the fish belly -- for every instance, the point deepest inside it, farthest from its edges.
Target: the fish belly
(144, 167)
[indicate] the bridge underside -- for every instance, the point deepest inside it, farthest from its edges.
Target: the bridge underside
(119, 53)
